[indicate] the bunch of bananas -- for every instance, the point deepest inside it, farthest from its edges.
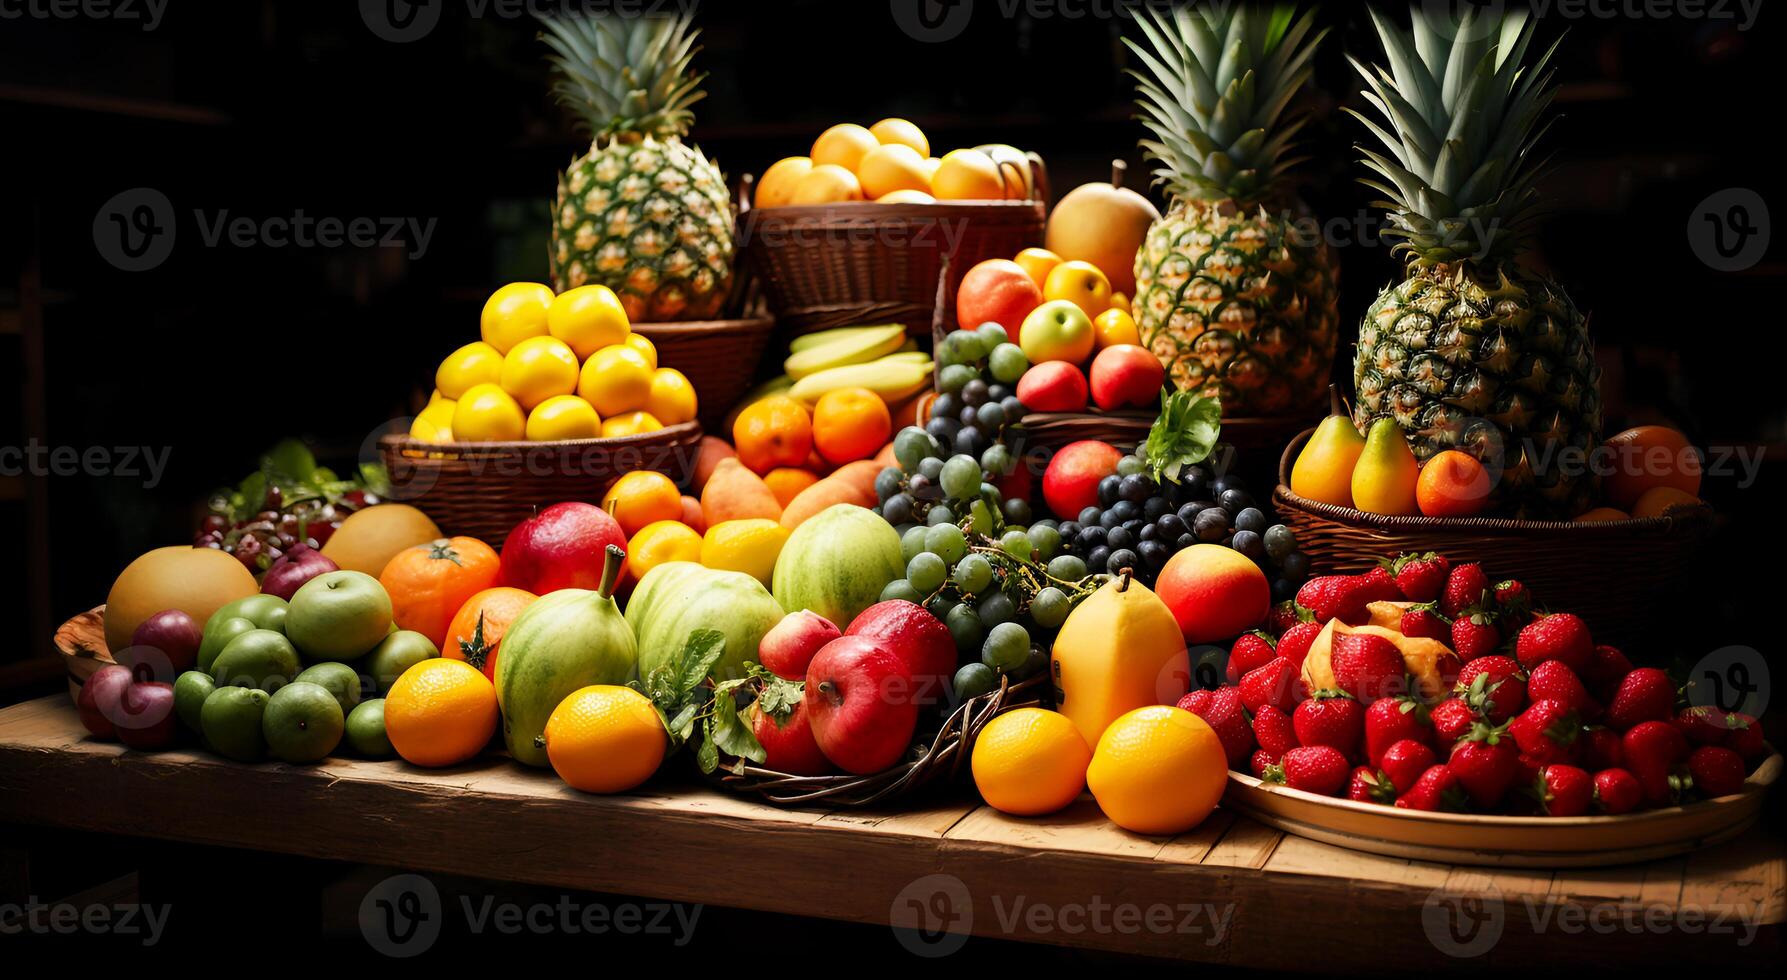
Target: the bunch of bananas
(879, 358)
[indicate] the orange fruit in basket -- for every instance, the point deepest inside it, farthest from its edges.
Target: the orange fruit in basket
(905, 197)
(786, 482)
(440, 712)
(429, 582)
(776, 187)
(967, 175)
(605, 739)
(771, 432)
(903, 132)
(642, 497)
(1452, 484)
(828, 184)
(630, 424)
(1030, 761)
(842, 145)
(659, 542)
(1158, 770)
(895, 167)
(1602, 514)
(850, 424)
(1658, 501)
(496, 609)
(1645, 457)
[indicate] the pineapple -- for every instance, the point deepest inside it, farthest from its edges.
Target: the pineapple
(1470, 350)
(1235, 293)
(642, 212)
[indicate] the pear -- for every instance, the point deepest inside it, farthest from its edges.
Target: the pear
(1324, 469)
(1384, 478)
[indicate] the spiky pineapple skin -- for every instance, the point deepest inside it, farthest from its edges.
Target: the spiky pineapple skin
(1241, 306)
(651, 220)
(1497, 363)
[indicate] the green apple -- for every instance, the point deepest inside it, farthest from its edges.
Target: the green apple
(395, 654)
(338, 616)
(258, 658)
(267, 612)
(1058, 330)
(219, 631)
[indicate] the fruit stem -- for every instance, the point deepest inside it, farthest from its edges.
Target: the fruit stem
(1118, 169)
(1123, 580)
(830, 691)
(611, 562)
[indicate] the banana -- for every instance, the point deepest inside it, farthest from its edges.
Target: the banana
(892, 380)
(909, 357)
(815, 339)
(857, 348)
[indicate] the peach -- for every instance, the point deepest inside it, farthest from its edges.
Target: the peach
(1215, 593)
(996, 291)
(1053, 386)
(1452, 484)
(790, 644)
(1070, 484)
(1126, 376)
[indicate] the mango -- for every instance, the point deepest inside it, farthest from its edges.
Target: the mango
(1431, 663)
(1119, 650)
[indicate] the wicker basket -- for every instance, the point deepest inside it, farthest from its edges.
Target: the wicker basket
(482, 489)
(838, 264)
(1606, 572)
(719, 357)
(944, 756)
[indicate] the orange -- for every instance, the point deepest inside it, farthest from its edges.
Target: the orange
(850, 424)
(642, 497)
(788, 481)
(630, 424)
(905, 197)
(771, 432)
(1603, 514)
(429, 582)
(1038, 263)
(672, 398)
(496, 608)
(895, 167)
(1114, 327)
(996, 291)
(1157, 770)
(827, 184)
(1659, 501)
(1029, 762)
(776, 186)
(967, 175)
(659, 542)
(842, 145)
(604, 739)
(1645, 457)
(903, 132)
(440, 712)
(1452, 484)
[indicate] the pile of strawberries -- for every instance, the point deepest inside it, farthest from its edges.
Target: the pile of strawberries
(1536, 717)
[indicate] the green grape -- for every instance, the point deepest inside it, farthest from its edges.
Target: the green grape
(965, 627)
(947, 353)
(1015, 543)
(911, 446)
(1007, 363)
(1067, 568)
(1129, 465)
(940, 515)
(913, 542)
(1046, 540)
(992, 334)
(926, 573)
(996, 461)
(1006, 647)
(940, 605)
(1049, 608)
(983, 517)
(961, 477)
(996, 608)
(901, 589)
(973, 574)
(951, 379)
(969, 346)
(947, 542)
(973, 680)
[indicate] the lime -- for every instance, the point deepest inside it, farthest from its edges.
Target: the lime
(258, 658)
(395, 654)
(219, 631)
(231, 722)
(302, 723)
(190, 691)
(267, 612)
(366, 730)
(339, 679)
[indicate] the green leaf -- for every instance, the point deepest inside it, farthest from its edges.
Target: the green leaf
(778, 697)
(292, 459)
(701, 652)
(1183, 435)
(730, 733)
(707, 754)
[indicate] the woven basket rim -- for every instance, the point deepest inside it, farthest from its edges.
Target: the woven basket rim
(1352, 517)
(855, 210)
(704, 326)
(401, 442)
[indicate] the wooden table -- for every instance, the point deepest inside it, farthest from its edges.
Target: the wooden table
(1229, 891)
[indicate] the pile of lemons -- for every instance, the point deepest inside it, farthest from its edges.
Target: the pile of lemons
(553, 367)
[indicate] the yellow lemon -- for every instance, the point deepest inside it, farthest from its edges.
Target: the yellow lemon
(1029, 762)
(672, 397)
(894, 167)
(629, 424)
(425, 429)
(750, 546)
(967, 175)
(906, 197)
(1081, 283)
(776, 187)
(659, 542)
(641, 343)
(474, 364)
(1158, 770)
(588, 318)
(1121, 302)
(1115, 326)
(605, 739)
(902, 132)
(487, 413)
(514, 313)
(539, 368)
(616, 379)
(827, 184)
(439, 409)
(563, 417)
(843, 145)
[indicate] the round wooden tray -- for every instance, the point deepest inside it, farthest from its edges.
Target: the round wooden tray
(1524, 842)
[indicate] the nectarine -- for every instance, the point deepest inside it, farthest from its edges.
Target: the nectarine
(1215, 593)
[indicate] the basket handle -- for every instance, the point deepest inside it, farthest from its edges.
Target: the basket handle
(1039, 176)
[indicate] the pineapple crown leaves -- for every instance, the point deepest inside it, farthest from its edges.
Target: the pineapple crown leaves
(625, 77)
(1463, 111)
(1216, 93)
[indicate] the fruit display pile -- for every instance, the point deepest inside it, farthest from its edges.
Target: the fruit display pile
(891, 163)
(288, 506)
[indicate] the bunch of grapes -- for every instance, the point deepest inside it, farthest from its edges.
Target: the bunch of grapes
(1140, 524)
(279, 526)
(976, 404)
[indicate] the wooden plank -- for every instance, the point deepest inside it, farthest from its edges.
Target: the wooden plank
(930, 820)
(1736, 877)
(1193, 847)
(1624, 885)
(1246, 845)
(1299, 855)
(1081, 827)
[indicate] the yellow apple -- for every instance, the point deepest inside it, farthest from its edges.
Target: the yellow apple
(1080, 283)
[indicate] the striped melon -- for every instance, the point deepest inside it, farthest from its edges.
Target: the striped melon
(837, 562)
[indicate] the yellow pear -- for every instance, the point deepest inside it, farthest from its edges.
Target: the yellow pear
(1324, 469)
(1384, 479)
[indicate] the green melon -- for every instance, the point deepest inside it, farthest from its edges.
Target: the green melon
(837, 562)
(678, 597)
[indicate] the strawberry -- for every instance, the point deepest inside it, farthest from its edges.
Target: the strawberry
(1745, 737)
(1466, 588)
(1196, 701)
(1653, 750)
(1276, 683)
(1332, 597)
(1227, 717)
(1452, 720)
(1512, 597)
(1599, 747)
(1378, 585)
(1283, 616)
(1703, 725)
(1392, 720)
(1475, 635)
(1251, 650)
(1561, 636)
(1563, 791)
(1646, 694)
(1717, 771)
(1368, 667)
(1294, 643)
(1545, 731)
(1617, 791)
(1437, 789)
(1367, 785)
(1555, 681)
(1405, 761)
(1260, 762)
(1606, 665)
(1494, 685)
(1424, 619)
(1421, 577)
(1487, 763)
(1274, 731)
(1330, 718)
(1311, 768)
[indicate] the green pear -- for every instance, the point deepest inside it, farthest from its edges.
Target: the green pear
(1384, 478)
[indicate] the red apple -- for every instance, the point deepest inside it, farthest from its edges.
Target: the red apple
(1053, 386)
(1126, 376)
(146, 715)
(788, 744)
(919, 638)
(163, 646)
(859, 702)
(294, 568)
(1215, 593)
(100, 700)
(1070, 484)
(561, 547)
(789, 645)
